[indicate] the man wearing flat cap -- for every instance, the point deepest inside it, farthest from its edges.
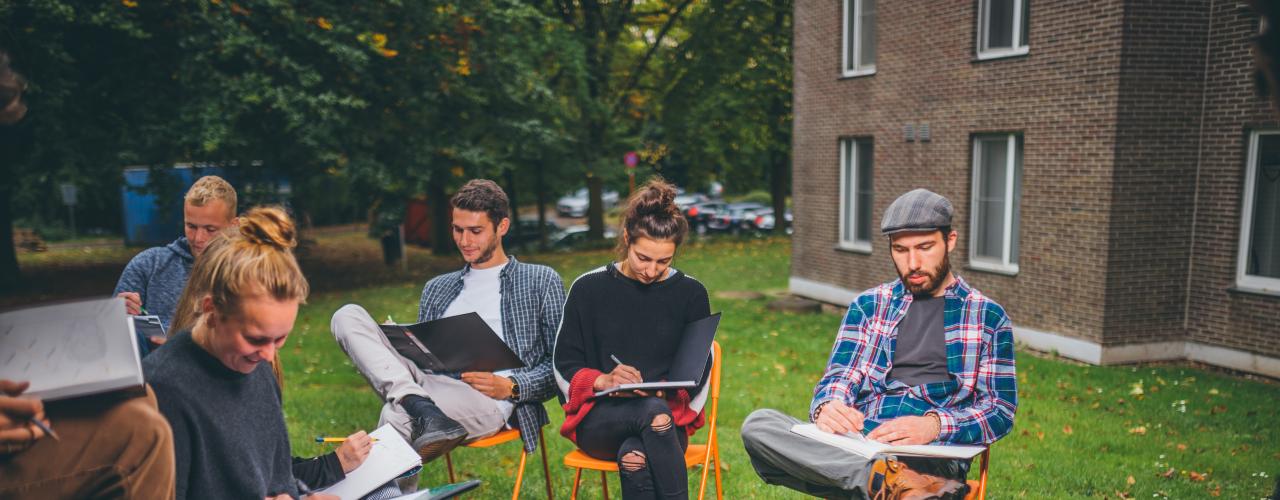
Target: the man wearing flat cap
(924, 359)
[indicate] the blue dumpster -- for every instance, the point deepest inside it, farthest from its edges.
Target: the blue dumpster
(153, 212)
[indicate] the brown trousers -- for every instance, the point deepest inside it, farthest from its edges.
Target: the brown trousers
(112, 446)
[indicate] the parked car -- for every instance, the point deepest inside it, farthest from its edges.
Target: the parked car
(528, 233)
(765, 220)
(685, 200)
(699, 214)
(576, 236)
(576, 204)
(735, 217)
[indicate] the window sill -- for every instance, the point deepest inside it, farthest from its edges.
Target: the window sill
(994, 55)
(849, 75)
(1253, 290)
(1007, 270)
(858, 248)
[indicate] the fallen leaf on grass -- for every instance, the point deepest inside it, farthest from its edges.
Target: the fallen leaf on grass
(1218, 409)
(1216, 491)
(1130, 480)
(1182, 447)
(1040, 435)
(1066, 429)
(1123, 495)
(1169, 473)
(1140, 430)
(1196, 476)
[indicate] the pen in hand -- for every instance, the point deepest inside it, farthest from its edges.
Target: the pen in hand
(323, 439)
(615, 359)
(45, 428)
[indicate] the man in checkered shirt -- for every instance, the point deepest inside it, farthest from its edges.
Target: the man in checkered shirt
(521, 302)
(924, 359)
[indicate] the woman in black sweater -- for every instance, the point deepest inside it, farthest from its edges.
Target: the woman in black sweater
(214, 384)
(634, 311)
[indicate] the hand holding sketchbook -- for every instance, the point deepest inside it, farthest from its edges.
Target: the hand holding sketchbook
(689, 364)
(859, 444)
(462, 343)
(390, 457)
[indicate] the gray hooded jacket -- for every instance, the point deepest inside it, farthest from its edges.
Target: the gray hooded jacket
(158, 275)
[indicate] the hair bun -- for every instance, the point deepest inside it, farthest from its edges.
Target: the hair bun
(268, 226)
(656, 198)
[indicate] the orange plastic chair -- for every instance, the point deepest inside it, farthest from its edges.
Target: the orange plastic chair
(505, 436)
(978, 489)
(694, 455)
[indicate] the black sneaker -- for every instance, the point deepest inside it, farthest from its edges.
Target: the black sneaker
(434, 433)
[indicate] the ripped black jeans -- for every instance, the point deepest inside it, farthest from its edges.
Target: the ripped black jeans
(639, 434)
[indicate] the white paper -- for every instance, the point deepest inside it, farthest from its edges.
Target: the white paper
(70, 349)
(859, 444)
(390, 457)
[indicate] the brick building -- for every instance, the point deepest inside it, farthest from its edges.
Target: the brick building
(1115, 176)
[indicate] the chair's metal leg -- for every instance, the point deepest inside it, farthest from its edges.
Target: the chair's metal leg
(546, 469)
(515, 494)
(577, 477)
(719, 493)
(604, 484)
(448, 461)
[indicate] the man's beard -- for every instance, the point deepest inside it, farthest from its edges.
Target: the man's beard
(487, 254)
(935, 278)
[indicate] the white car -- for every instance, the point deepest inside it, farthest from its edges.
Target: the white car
(575, 205)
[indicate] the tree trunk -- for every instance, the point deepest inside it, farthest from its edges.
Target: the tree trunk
(540, 192)
(441, 243)
(778, 192)
(595, 211)
(509, 176)
(10, 276)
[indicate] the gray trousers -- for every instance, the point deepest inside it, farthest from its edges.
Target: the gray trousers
(393, 377)
(788, 459)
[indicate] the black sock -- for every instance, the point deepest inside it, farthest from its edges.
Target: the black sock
(417, 406)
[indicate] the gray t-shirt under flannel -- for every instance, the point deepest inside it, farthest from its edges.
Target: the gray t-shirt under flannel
(920, 355)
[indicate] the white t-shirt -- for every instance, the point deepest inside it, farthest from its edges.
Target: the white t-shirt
(481, 294)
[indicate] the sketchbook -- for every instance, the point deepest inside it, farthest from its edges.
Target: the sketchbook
(689, 364)
(390, 457)
(462, 343)
(70, 349)
(859, 444)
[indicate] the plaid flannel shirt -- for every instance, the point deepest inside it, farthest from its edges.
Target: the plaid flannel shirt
(975, 406)
(532, 304)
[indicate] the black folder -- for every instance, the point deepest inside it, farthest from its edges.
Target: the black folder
(462, 343)
(690, 362)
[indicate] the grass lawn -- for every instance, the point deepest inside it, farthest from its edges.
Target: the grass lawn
(1081, 431)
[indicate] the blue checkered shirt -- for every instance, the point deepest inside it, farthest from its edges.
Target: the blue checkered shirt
(532, 304)
(977, 403)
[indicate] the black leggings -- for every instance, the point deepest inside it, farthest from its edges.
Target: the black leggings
(618, 426)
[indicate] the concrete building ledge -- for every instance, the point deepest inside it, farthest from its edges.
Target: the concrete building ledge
(1086, 350)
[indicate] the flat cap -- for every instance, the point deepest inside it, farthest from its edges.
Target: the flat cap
(918, 210)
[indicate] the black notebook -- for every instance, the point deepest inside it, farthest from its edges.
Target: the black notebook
(689, 364)
(462, 343)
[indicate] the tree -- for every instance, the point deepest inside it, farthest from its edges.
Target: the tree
(727, 99)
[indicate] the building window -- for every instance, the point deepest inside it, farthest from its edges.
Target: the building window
(859, 53)
(1259, 257)
(1002, 28)
(997, 193)
(855, 194)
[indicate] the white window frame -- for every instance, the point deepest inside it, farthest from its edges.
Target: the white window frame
(851, 11)
(1005, 265)
(848, 200)
(1262, 284)
(984, 7)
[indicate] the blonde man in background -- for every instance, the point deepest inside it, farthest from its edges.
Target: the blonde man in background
(153, 280)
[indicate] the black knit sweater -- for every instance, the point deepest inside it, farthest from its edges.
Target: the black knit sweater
(642, 324)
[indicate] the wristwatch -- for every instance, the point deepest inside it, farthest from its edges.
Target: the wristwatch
(515, 390)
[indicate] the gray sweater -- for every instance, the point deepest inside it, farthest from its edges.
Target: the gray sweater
(229, 435)
(158, 275)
